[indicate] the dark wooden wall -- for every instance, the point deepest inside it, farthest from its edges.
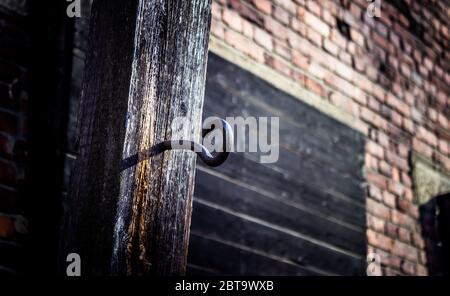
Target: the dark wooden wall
(303, 215)
(435, 222)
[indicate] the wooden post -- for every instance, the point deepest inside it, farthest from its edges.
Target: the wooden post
(127, 212)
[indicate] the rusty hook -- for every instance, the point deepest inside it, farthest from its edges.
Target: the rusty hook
(204, 154)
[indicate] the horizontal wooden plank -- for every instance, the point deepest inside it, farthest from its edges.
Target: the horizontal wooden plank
(228, 192)
(231, 260)
(291, 185)
(225, 225)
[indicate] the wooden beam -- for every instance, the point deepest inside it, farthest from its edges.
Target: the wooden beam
(129, 212)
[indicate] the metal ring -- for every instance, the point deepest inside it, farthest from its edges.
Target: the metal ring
(211, 160)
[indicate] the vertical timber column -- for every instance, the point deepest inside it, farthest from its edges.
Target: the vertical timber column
(127, 212)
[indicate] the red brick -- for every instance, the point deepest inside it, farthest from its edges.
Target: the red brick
(393, 261)
(300, 60)
(337, 39)
(288, 5)
(281, 15)
(264, 6)
(410, 197)
(443, 161)
(246, 11)
(299, 77)
(376, 179)
(395, 174)
(422, 148)
(443, 121)
(278, 65)
(376, 223)
(383, 139)
(373, 118)
(408, 268)
(375, 149)
(295, 41)
(418, 241)
(298, 26)
(396, 118)
(444, 147)
(345, 103)
(314, 37)
(427, 136)
(315, 87)
(313, 7)
(355, 10)
(404, 235)
(396, 188)
(317, 24)
(316, 70)
(232, 19)
(391, 230)
(216, 11)
(374, 192)
(389, 199)
(398, 105)
(282, 50)
(378, 92)
(277, 30)
(390, 272)
(403, 220)
(377, 209)
(341, 69)
(328, 18)
(245, 45)
(406, 180)
(379, 240)
(217, 29)
(330, 47)
(382, 42)
(263, 38)
(395, 40)
(345, 57)
(371, 162)
(397, 161)
(421, 270)
(405, 251)
(428, 63)
(7, 228)
(408, 125)
(346, 87)
(247, 29)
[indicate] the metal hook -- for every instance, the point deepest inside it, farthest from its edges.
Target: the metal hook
(202, 151)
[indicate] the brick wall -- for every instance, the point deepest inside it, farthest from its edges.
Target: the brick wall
(15, 41)
(391, 73)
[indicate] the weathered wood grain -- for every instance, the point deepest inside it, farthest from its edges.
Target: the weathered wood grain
(146, 66)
